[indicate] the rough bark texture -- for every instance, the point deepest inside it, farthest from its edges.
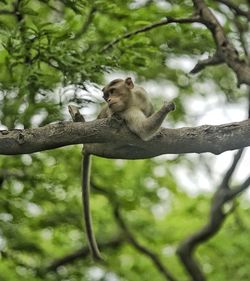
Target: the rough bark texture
(108, 138)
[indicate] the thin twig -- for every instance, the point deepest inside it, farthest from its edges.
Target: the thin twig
(230, 171)
(153, 256)
(242, 39)
(130, 237)
(239, 189)
(166, 21)
(84, 253)
(214, 60)
(86, 24)
(7, 12)
(235, 8)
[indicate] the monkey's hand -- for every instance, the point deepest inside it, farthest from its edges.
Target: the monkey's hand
(169, 106)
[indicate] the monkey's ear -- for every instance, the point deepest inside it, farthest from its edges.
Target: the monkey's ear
(129, 83)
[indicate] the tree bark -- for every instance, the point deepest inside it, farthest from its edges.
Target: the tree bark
(108, 138)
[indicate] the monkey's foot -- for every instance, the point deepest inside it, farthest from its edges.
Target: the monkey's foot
(116, 121)
(169, 106)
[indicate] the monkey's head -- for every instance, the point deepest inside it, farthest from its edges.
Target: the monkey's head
(117, 94)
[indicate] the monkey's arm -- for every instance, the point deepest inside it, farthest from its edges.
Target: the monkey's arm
(146, 127)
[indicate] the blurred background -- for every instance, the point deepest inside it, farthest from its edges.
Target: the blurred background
(56, 53)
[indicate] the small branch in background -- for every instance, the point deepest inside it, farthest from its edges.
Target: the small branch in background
(241, 31)
(248, 102)
(151, 26)
(86, 24)
(84, 253)
(214, 60)
(5, 174)
(7, 13)
(248, 95)
(228, 175)
(223, 195)
(142, 249)
(224, 48)
(235, 8)
(239, 189)
(130, 237)
(53, 8)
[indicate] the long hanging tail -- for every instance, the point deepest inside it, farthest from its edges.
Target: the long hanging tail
(86, 163)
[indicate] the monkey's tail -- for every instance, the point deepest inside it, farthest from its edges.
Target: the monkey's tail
(86, 163)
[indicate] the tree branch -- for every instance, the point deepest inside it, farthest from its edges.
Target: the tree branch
(86, 24)
(7, 12)
(84, 253)
(166, 21)
(239, 189)
(153, 256)
(130, 237)
(217, 217)
(214, 60)
(236, 9)
(124, 144)
(225, 49)
(242, 32)
(230, 171)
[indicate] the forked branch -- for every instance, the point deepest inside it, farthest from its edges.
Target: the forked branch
(223, 195)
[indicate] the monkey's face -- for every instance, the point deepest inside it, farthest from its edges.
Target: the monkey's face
(117, 96)
(118, 102)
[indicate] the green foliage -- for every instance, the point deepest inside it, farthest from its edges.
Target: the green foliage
(40, 219)
(46, 46)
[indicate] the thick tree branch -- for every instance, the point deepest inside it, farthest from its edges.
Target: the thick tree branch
(122, 143)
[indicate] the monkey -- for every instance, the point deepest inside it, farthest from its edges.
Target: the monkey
(132, 104)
